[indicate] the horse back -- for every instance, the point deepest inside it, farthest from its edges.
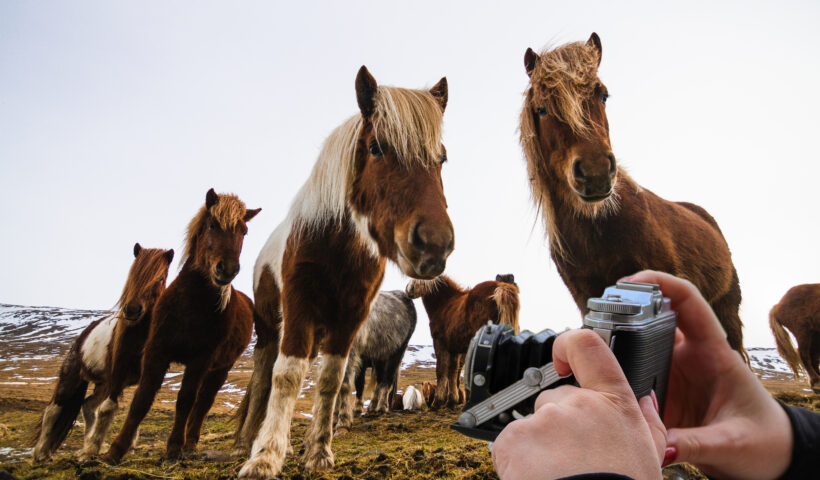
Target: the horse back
(799, 308)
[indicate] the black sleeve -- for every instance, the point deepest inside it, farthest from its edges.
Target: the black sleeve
(598, 476)
(806, 456)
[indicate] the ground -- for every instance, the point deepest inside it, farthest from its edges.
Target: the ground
(397, 446)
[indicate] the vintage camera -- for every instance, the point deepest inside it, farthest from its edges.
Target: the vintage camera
(504, 372)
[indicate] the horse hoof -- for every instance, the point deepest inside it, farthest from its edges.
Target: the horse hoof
(341, 431)
(173, 453)
(259, 468)
(321, 460)
(111, 459)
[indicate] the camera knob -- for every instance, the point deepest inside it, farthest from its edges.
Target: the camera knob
(613, 304)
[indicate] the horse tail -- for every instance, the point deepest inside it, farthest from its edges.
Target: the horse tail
(784, 343)
(505, 296)
(60, 414)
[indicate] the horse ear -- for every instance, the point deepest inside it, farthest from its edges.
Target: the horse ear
(595, 41)
(530, 57)
(169, 255)
(366, 88)
(249, 214)
(439, 92)
(137, 249)
(211, 199)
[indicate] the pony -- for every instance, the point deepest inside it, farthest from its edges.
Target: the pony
(200, 321)
(798, 311)
(600, 223)
(412, 399)
(107, 353)
(380, 343)
(375, 193)
(455, 314)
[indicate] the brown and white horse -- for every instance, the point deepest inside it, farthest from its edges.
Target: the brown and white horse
(601, 224)
(455, 315)
(375, 193)
(200, 321)
(799, 311)
(107, 353)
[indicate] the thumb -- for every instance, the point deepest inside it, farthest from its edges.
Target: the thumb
(700, 445)
(655, 424)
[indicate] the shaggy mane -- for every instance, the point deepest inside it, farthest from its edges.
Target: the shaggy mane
(148, 267)
(423, 288)
(409, 121)
(228, 212)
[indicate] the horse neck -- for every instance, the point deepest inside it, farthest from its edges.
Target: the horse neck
(446, 291)
(193, 279)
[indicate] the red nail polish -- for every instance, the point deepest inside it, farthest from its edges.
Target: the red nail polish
(655, 402)
(669, 456)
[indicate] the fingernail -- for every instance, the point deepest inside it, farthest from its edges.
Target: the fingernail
(669, 456)
(655, 402)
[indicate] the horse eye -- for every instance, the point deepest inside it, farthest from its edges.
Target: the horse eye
(375, 150)
(443, 157)
(604, 96)
(211, 227)
(542, 112)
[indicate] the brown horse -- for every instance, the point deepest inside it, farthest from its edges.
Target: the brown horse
(455, 314)
(375, 193)
(107, 353)
(601, 224)
(799, 311)
(200, 321)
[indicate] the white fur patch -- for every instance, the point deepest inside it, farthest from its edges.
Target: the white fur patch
(411, 399)
(94, 350)
(224, 298)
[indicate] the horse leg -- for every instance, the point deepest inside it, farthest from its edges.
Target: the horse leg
(195, 372)
(452, 381)
(443, 359)
(93, 417)
(345, 402)
(378, 405)
(252, 410)
(211, 384)
(391, 379)
(153, 371)
(361, 370)
(289, 369)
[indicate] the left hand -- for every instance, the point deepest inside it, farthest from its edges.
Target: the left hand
(599, 427)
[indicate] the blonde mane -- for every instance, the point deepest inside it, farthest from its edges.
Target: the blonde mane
(560, 80)
(148, 267)
(409, 121)
(422, 288)
(228, 212)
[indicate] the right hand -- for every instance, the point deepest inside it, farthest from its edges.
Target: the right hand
(718, 415)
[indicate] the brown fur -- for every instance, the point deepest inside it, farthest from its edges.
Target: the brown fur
(143, 286)
(601, 224)
(194, 326)
(455, 315)
(342, 229)
(799, 311)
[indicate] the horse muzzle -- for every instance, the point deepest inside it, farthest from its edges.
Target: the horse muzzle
(424, 253)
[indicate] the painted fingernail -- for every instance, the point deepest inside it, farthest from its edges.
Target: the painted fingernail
(655, 402)
(669, 456)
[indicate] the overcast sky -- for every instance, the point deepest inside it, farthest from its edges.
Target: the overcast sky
(116, 118)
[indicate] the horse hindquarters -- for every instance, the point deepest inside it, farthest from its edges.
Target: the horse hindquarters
(727, 310)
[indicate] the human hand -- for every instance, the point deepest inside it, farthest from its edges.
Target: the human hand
(719, 416)
(599, 427)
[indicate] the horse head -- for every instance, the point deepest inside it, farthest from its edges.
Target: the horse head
(145, 283)
(397, 193)
(215, 237)
(564, 128)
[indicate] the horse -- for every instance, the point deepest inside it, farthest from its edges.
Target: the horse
(107, 353)
(375, 193)
(600, 223)
(455, 314)
(200, 321)
(412, 399)
(380, 343)
(798, 311)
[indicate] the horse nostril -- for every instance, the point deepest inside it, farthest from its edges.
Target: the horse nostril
(132, 310)
(576, 170)
(611, 164)
(416, 238)
(220, 267)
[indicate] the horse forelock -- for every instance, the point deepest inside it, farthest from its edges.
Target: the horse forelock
(228, 212)
(562, 79)
(409, 121)
(148, 267)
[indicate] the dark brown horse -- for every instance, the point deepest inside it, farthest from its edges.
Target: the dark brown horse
(455, 315)
(107, 353)
(200, 321)
(601, 224)
(375, 194)
(799, 311)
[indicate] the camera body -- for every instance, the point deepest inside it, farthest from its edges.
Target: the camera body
(503, 372)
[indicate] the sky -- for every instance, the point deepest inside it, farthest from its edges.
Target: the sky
(117, 117)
